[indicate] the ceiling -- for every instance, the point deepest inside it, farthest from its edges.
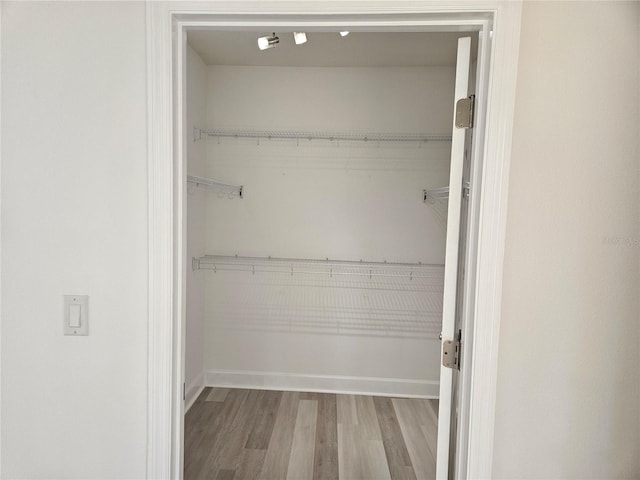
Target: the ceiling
(323, 49)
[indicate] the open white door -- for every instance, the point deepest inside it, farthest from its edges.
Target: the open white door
(451, 269)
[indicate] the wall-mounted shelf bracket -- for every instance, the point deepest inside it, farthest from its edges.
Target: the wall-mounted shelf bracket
(197, 134)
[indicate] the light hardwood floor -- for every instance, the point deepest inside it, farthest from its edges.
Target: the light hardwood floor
(235, 434)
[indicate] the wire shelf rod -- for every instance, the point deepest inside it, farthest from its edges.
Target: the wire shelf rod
(371, 315)
(320, 321)
(419, 287)
(330, 268)
(235, 259)
(342, 330)
(336, 274)
(330, 136)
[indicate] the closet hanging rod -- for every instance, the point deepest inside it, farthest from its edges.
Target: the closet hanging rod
(330, 136)
(215, 184)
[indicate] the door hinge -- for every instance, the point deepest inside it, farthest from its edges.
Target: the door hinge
(466, 189)
(184, 391)
(464, 112)
(451, 352)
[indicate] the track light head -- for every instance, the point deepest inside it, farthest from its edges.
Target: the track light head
(344, 34)
(269, 41)
(299, 38)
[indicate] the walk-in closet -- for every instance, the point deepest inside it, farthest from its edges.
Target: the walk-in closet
(317, 185)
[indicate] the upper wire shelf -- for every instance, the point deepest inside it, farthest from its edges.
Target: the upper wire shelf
(210, 184)
(315, 135)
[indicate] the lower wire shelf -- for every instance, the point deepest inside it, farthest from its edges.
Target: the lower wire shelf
(402, 300)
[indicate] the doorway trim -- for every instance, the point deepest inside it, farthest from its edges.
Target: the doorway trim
(165, 22)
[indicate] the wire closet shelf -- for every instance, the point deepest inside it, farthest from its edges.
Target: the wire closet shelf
(309, 266)
(312, 296)
(215, 185)
(430, 196)
(319, 135)
(442, 193)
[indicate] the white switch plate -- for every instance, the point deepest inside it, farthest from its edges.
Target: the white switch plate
(71, 304)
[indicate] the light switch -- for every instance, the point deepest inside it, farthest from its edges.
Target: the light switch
(76, 315)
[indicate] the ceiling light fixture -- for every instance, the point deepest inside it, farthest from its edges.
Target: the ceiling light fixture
(299, 38)
(268, 42)
(344, 34)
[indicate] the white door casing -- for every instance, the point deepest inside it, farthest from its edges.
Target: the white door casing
(166, 21)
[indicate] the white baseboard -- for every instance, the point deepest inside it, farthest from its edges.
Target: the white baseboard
(194, 389)
(387, 387)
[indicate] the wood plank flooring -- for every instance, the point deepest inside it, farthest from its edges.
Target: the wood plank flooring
(236, 434)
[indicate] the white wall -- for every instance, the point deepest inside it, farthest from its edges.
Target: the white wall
(568, 399)
(73, 119)
(74, 192)
(320, 199)
(196, 164)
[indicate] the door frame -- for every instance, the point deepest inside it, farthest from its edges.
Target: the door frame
(166, 26)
